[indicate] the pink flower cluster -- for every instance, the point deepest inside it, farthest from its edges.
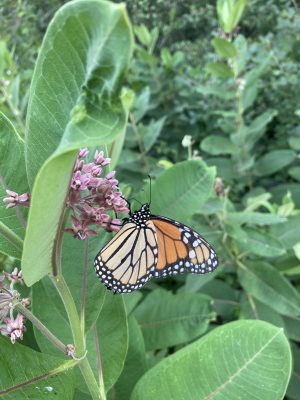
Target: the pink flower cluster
(92, 195)
(10, 326)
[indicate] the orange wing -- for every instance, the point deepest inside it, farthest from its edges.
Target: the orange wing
(181, 249)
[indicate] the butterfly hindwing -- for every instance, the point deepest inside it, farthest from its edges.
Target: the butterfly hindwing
(181, 249)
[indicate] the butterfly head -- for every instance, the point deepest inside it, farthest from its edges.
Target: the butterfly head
(141, 216)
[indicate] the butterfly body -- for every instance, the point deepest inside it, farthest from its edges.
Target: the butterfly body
(151, 246)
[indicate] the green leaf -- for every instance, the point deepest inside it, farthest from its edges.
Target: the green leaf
(13, 177)
(224, 48)
(150, 133)
(216, 145)
(267, 285)
(288, 233)
(259, 242)
(230, 13)
(219, 69)
(27, 374)
(143, 35)
(260, 311)
(111, 326)
(258, 126)
(293, 389)
(141, 103)
(274, 161)
(112, 333)
(135, 364)
(72, 104)
(292, 327)
(239, 63)
(167, 319)
(235, 361)
(294, 142)
(194, 183)
(254, 218)
(294, 172)
(224, 296)
(193, 284)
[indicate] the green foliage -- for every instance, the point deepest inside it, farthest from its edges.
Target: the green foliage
(241, 351)
(213, 116)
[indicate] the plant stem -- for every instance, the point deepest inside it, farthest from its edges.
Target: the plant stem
(36, 322)
(11, 236)
(71, 310)
(100, 374)
(139, 142)
(84, 285)
(78, 336)
(86, 370)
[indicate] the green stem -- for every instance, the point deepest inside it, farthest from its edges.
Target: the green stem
(71, 310)
(100, 373)
(78, 336)
(11, 236)
(86, 370)
(40, 326)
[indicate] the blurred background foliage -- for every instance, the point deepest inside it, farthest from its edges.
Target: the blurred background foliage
(229, 98)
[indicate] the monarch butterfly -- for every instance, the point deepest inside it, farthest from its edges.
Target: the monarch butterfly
(151, 246)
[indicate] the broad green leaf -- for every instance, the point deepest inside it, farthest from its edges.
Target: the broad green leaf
(167, 319)
(219, 69)
(239, 62)
(141, 103)
(254, 218)
(194, 284)
(27, 374)
(288, 233)
(292, 327)
(260, 243)
(245, 360)
(73, 253)
(216, 145)
(294, 142)
(258, 310)
(111, 326)
(294, 172)
(143, 35)
(224, 48)
(216, 90)
(274, 161)
(230, 13)
(257, 128)
(225, 168)
(13, 177)
(135, 364)
(194, 183)
(112, 332)
(225, 298)
(267, 285)
(293, 389)
(150, 133)
(280, 191)
(74, 102)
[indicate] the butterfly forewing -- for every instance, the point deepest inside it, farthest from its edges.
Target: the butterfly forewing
(181, 249)
(126, 263)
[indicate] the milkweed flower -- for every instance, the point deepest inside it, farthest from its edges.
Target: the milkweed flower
(9, 325)
(93, 195)
(14, 328)
(14, 199)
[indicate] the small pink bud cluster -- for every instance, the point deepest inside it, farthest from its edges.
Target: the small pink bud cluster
(92, 195)
(14, 199)
(10, 326)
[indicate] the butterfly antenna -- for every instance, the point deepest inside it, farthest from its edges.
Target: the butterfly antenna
(128, 204)
(150, 181)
